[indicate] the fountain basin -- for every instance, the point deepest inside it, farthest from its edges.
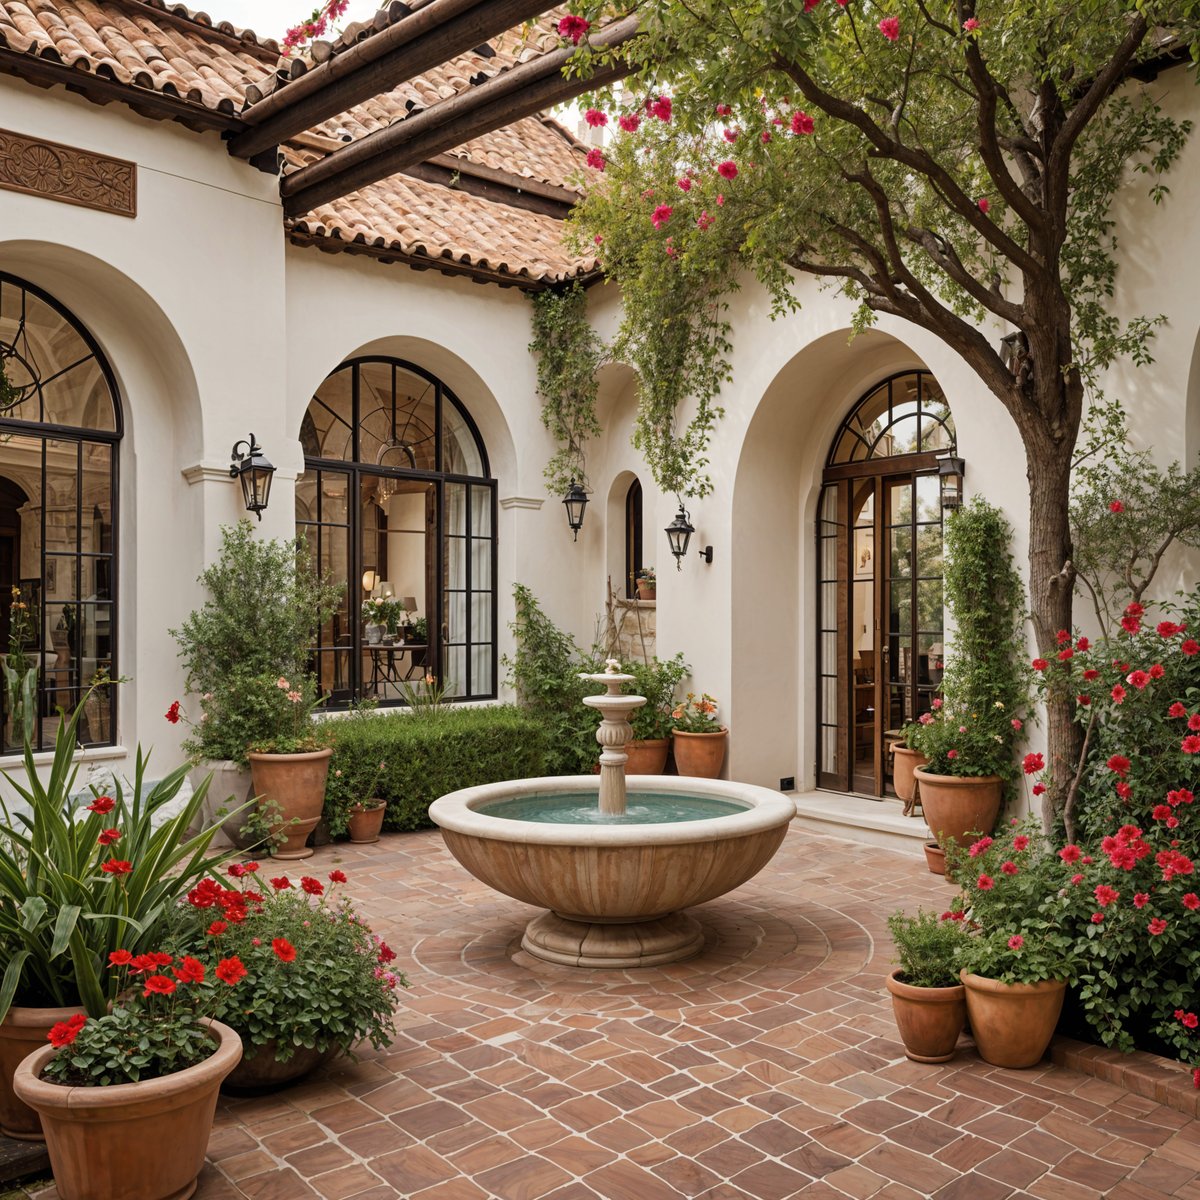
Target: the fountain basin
(615, 891)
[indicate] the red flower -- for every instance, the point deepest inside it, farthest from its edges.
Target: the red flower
(1119, 764)
(142, 963)
(595, 118)
(230, 970)
(116, 866)
(1177, 710)
(314, 887)
(284, 950)
(281, 883)
(1157, 671)
(102, 805)
(1091, 674)
(1083, 700)
(730, 135)
(595, 159)
(386, 953)
(660, 108)
(1118, 693)
(983, 202)
(1157, 926)
(1009, 868)
(661, 215)
(217, 928)
(1033, 763)
(1039, 789)
(727, 169)
(235, 870)
(1124, 790)
(1116, 506)
(172, 713)
(158, 985)
(1168, 629)
(337, 876)
(890, 28)
(120, 958)
(63, 1033)
(1134, 609)
(1191, 901)
(802, 123)
(629, 122)
(1106, 895)
(1190, 1020)
(723, 110)
(1082, 645)
(1020, 842)
(985, 883)
(1066, 654)
(1190, 647)
(190, 970)
(108, 836)
(1138, 679)
(572, 29)
(1016, 942)
(1194, 722)
(1190, 744)
(979, 847)
(1140, 900)
(1070, 854)
(1097, 918)
(1039, 664)
(1130, 624)
(1062, 637)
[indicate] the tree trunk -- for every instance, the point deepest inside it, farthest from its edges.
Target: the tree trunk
(1051, 586)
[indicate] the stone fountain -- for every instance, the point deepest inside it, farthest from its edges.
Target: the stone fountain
(615, 866)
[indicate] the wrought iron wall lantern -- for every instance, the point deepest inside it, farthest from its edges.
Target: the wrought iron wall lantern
(679, 535)
(951, 470)
(575, 502)
(254, 470)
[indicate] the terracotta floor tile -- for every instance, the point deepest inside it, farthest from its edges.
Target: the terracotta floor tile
(528, 1178)
(345, 1182)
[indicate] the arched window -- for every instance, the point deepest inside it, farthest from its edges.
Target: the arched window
(396, 501)
(633, 537)
(60, 426)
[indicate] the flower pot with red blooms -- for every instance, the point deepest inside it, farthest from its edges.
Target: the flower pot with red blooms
(295, 936)
(958, 808)
(94, 869)
(698, 739)
(366, 821)
(928, 999)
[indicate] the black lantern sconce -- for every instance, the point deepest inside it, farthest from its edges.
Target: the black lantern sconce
(679, 534)
(951, 470)
(575, 501)
(254, 470)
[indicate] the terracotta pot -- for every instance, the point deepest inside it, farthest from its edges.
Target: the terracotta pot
(647, 757)
(23, 1031)
(929, 1018)
(261, 1071)
(365, 823)
(699, 754)
(647, 591)
(955, 808)
(296, 784)
(138, 1141)
(1012, 1023)
(904, 762)
(935, 858)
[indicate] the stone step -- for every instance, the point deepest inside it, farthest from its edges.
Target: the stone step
(859, 819)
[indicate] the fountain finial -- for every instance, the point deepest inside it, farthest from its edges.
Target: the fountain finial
(612, 666)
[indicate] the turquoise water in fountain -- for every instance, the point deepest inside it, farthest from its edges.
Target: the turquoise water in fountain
(583, 808)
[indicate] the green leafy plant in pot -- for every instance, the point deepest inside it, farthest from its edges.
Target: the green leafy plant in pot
(928, 998)
(652, 723)
(80, 877)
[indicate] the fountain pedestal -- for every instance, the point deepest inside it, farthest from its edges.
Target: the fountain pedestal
(579, 942)
(613, 734)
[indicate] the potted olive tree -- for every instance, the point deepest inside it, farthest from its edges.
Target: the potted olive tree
(264, 606)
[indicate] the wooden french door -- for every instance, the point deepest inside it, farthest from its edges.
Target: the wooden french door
(879, 615)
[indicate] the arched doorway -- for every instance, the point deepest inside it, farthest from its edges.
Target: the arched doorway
(879, 592)
(397, 502)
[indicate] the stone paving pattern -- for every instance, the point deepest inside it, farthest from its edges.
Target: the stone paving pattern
(769, 1067)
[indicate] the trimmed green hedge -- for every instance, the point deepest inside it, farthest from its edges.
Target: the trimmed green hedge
(426, 755)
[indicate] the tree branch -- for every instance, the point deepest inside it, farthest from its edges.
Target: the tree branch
(944, 256)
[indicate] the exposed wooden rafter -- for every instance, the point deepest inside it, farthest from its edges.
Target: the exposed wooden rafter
(420, 41)
(533, 86)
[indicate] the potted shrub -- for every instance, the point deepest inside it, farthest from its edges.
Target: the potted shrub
(127, 1099)
(647, 584)
(294, 939)
(81, 876)
(1018, 894)
(264, 606)
(351, 803)
(652, 723)
(928, 999)
(697, 737)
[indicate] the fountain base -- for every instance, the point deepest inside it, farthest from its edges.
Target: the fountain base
(580, 943)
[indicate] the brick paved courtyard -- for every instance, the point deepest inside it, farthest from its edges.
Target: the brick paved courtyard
(769, 1067)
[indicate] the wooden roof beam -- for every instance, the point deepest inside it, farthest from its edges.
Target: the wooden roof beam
(521, 92)
(424, 39)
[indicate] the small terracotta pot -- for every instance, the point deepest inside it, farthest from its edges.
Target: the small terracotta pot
(647, 591)
(929, 1018)
(904, 762)
(935, 858)
(699, 754)
(647, 757)
(1012, 1023)
(365, 823)
(959, 809)
(296, 784)
(21, 1032)
(139, 1141)
(261, 1071)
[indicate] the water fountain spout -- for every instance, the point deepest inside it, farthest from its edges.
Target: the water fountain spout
(613, 734)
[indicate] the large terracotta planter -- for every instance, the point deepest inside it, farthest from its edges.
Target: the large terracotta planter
(365, 823)
(929, 1018)
(135, 1141)
(261, 1071)
(699, 754)
(647, 757)
(904, 763)
(1012, 1023)
(22, 1032)
(296, 784)
(955, 808)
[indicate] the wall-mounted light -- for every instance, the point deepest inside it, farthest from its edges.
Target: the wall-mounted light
(369, 580)
(951, 470)
(575, 502)
(254, 470)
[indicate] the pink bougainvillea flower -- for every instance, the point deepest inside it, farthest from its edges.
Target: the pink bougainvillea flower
(572, 29)
(727, 169)
(660, 108)
(595, 118)
(723, 110)
(704, 220)
(661, 215)
(984, 204)
(685, 184)
(802, 123)
(730, 135)
(1118, 694)
(595, 159)
(890, 28)
(979, 847)
(629, 122)
(971, 24)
